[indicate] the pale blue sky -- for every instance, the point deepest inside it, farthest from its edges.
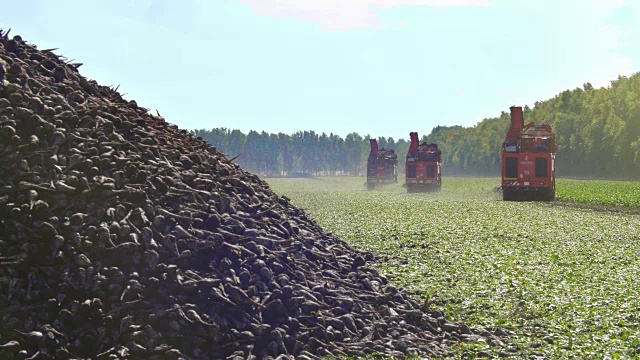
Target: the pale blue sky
(379, 67)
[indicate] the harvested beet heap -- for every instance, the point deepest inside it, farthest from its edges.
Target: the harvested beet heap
(123, 236)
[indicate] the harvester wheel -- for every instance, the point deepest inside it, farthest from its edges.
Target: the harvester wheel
(549, 195)
(507, 194)
(543, 195)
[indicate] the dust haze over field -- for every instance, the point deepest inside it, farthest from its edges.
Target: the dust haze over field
(453, 188)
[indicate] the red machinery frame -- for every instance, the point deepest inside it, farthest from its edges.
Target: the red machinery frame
(382, 166)
(528, 160)
(423, 166)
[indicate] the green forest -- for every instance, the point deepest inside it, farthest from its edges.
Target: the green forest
(304, 152)
(598, 136)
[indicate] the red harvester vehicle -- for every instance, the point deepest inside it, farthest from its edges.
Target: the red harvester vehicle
(382, 166)
(528, 160)
(423, 166)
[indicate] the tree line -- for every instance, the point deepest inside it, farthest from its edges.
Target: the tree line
(597, 134)
(304, 153)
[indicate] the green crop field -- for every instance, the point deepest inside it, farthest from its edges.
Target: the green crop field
(562, 281)
(600, 192)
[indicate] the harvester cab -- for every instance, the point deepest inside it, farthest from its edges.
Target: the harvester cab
(382, 166)
(423, 166)
(528, 160)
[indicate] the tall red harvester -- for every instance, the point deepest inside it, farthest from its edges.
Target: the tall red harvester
(528, 160)
(422, 167)
(382, 166)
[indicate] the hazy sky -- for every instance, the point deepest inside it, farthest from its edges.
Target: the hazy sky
(379, 67)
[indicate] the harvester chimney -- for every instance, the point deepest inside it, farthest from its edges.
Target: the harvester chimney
(517, 120)
(374, 147)
(414, 142)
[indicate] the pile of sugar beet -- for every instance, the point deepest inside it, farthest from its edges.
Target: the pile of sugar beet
(122, 236)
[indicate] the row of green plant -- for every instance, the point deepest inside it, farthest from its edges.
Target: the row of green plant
(599, 192)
